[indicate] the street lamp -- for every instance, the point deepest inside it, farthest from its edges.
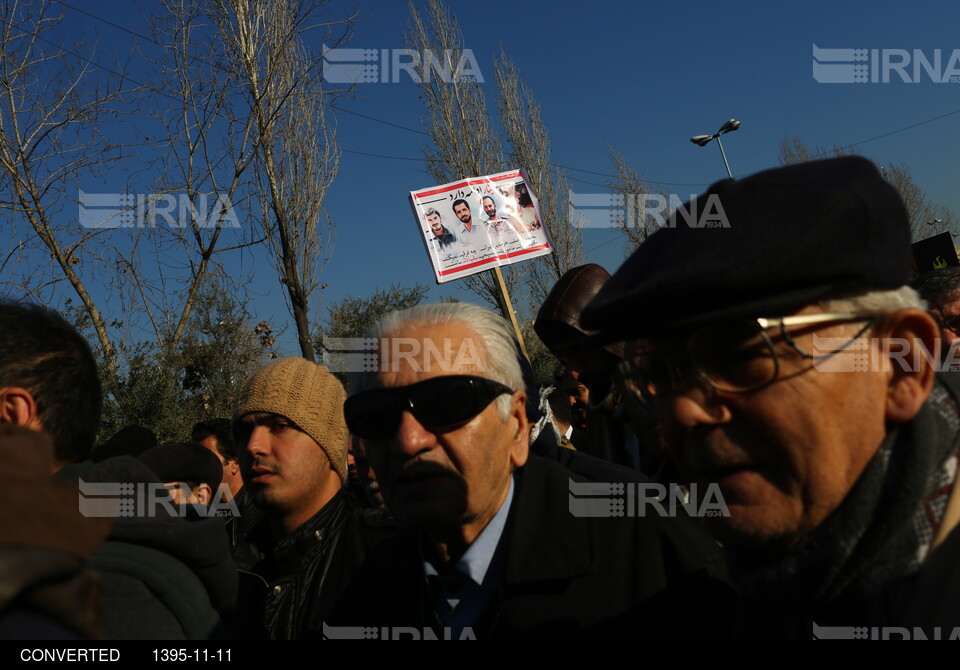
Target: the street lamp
(704, 140)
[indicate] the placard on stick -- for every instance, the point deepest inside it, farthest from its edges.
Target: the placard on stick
(479, 223)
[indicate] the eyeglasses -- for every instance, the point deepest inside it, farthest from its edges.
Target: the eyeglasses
(437, 403)
(734, 357)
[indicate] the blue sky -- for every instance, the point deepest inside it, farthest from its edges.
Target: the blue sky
(642, 77)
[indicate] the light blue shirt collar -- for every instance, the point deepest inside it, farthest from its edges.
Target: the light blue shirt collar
(476, 560)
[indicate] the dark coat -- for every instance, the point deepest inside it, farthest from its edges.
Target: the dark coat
(565, 576)
(242, 524)
(46, 590)
(164, 577)
(288, 588)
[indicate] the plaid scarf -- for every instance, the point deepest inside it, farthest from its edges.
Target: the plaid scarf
(858, 567)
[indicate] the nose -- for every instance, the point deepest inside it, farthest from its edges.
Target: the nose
(258, 443)
(412, 437)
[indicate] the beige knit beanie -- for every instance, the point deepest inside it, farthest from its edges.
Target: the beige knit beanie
(308, 395)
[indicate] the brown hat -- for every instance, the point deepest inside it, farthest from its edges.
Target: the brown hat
(308, 395)
(558, 321)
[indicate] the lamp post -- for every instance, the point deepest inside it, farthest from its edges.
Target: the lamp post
(704, 140)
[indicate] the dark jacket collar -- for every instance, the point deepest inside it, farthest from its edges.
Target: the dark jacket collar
(546, 541)
(297, 548)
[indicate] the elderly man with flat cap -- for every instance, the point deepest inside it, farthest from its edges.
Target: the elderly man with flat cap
(786, 358)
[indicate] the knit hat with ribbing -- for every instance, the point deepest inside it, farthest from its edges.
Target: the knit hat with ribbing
(308, 395)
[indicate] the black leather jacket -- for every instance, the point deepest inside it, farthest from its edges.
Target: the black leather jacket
(288, 588)
(242, 524)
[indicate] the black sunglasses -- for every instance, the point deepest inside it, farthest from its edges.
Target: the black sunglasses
(438, 403)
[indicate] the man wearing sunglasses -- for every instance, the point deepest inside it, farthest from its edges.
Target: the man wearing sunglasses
(789, 363)
(491, 546)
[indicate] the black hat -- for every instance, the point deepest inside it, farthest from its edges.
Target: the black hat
(786, 237)
(131, 440)
(184, 462)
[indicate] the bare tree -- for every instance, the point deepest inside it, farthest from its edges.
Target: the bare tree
(245, 100)
(297, 157)
(632, 191)
(529, 140)
(205, 156)
(463, 140)
(51, 105)
(926, 218)
(793, 150)
(54, 104)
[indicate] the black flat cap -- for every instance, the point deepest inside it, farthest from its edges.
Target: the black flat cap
(184, 462)
(789, 236)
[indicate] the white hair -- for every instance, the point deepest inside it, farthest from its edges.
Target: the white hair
(499, 353)
(876, 303)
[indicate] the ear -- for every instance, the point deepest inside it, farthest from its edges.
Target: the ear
(520, 427)
(234, 466)
(18, 408)
(204, 494)
(910, 339)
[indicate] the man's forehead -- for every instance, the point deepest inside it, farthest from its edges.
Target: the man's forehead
(210, 443)
(718, 327)
(713, 335)
(264, 418)
(429, 350)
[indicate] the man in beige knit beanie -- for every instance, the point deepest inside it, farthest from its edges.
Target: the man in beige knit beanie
(292, 441)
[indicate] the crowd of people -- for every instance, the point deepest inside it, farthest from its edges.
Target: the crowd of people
(778, 378)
